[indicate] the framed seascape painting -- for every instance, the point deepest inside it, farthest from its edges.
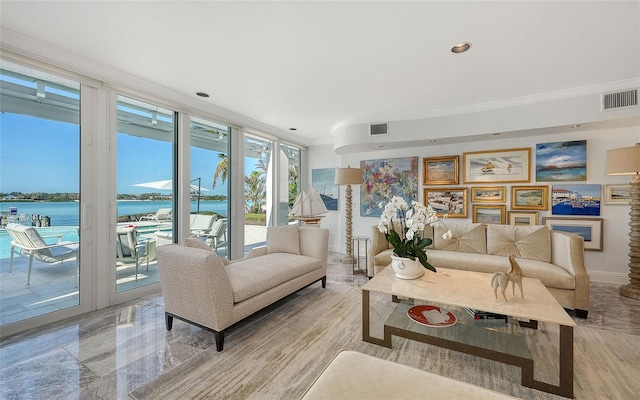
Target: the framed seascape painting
(509, 165)
(495, 194)
(617, 194)
(561, 161)
(385, 178)
(590, 229)
(529, 197)
(451, 202)
(324, 181)
(489, 214)
(523, 218)
(440, 170)
(576, 199)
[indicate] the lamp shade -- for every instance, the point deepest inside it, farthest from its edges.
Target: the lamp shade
(348, 176)
(623, 161)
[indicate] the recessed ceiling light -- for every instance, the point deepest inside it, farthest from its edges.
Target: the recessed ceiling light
(293, 129)
(496, 134)
(380, 146)
(461, 47)
(202, 94)
(432, 140)
(575, 125)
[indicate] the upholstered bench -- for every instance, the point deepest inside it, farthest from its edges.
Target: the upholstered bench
(352, 375)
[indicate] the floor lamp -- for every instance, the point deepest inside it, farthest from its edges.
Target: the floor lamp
(348, 176)
(626, 161)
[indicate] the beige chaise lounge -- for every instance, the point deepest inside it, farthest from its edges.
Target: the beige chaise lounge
(208, 291)
(555, 258)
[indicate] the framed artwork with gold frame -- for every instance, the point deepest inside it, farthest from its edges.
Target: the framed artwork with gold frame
(449, 201)
(488, 194)
(522, 218)
(497, 166)
(489, 214)
(440, 170)
(529, 197)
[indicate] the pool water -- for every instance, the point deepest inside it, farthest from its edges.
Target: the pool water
(69, 234)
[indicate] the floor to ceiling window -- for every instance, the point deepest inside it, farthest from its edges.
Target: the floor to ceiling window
(258, 187)
(39, 193)
(209, 184)
(145, 147)
(289, 180)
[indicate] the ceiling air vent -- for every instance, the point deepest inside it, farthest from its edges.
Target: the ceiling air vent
(379, 129)
(626, 98)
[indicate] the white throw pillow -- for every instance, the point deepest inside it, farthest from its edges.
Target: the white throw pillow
(283, 239)
(531, 242)
(466, 238)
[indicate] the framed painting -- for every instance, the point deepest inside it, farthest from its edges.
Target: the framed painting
(440, 170)
(576, 199)
(495, 194)
(529, 197)
(489, 214)
(509, 165)
(590, 229)
(617, 194)
(523, 218)
(385, 178)
(324, 181)
(450, 202)
(561, 161)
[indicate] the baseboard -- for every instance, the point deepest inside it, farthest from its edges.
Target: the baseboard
(609, 277)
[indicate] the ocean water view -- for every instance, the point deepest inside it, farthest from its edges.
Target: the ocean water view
(67, 213)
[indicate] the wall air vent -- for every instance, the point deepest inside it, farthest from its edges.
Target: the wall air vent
(378, 129)
(626, 98)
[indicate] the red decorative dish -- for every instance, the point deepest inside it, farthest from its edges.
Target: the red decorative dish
(431, 316)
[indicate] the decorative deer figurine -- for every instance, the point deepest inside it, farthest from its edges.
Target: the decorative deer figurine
(502, 279)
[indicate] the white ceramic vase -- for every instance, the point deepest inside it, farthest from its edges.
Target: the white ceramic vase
(405, 268)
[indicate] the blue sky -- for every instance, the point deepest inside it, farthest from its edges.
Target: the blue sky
(38, 155)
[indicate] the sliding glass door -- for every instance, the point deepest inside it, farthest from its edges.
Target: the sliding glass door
(145, 190)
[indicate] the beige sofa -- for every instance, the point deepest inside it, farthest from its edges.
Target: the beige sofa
(555, 258)
(208, 291)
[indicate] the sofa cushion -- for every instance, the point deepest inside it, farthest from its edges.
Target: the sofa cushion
(253, 276)
(549, 274)
(383, 258)
(466, 238)
(283, 239)
(531, 242)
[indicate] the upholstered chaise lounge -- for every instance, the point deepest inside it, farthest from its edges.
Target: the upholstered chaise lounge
(555, 258)
(208, 291)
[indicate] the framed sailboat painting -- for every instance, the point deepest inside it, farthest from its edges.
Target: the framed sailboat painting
(324, 181)
(504, 166)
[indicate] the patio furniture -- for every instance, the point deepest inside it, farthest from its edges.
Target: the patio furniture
(163, 214)
(28, 242)
(131, 247)
(218, 234)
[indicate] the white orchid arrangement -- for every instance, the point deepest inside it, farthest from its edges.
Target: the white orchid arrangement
(412, 222)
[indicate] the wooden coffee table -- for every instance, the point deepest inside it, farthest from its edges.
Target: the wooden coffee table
(491, 339)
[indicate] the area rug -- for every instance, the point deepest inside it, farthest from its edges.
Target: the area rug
(278, 353)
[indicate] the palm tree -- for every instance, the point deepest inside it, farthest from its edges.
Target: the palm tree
(221, 169)
(254, 191)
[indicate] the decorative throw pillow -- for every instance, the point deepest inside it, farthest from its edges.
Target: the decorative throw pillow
(531, 242)
(466, 238)
(283, 239)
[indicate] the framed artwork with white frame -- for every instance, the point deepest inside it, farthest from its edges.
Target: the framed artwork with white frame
(617, 194)
(589, 228)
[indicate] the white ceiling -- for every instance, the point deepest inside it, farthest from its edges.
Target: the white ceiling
(313, 65)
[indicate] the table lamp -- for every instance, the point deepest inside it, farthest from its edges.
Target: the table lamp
(626, 161)
(348, 176)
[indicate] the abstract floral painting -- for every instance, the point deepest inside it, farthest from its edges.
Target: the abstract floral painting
(561, 161)
(383, 179)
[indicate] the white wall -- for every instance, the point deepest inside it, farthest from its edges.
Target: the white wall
(609, 265)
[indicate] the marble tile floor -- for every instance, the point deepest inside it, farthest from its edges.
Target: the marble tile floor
(109, 353)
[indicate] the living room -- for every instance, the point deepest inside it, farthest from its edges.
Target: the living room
(458, 121)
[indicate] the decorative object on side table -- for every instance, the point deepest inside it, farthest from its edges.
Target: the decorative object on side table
(348, 176)
(626, 161)
(409, 249)
(502, 279)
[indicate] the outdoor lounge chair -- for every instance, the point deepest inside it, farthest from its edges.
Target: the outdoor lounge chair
(163, 214)
(130, 247)
(28, 242)
(218, 234)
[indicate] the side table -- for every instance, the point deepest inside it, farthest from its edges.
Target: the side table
(357, 240)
